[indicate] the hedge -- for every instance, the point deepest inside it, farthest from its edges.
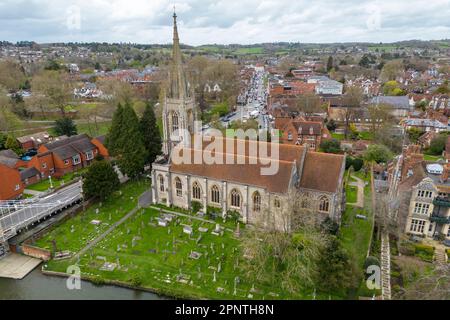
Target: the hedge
(424, 252)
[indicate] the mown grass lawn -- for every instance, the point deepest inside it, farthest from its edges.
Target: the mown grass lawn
(44, 185)
(338, 136)
(117, 206)
(352, 194)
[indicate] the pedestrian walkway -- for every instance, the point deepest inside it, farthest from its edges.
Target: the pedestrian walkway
(142, 202)
(440, 256)
(33, 192)
(385, 267)
(360, 184)
(16, 266)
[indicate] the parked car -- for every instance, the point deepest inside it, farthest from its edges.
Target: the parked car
(446, 243)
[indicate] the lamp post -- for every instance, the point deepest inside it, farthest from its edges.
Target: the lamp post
(51, 183)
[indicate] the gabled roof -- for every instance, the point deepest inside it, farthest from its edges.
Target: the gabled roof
(71, 146)
(398, 102)
(28, 173)
(319, 171)
(9, 158)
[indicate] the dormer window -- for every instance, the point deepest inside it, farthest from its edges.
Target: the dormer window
(76, 160)
(290, 136)
(89, 155)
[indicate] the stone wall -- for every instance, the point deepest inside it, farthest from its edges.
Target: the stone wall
(36, 252)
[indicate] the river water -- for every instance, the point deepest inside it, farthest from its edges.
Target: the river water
(37, 286)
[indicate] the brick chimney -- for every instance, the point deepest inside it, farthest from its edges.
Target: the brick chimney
(445, 173)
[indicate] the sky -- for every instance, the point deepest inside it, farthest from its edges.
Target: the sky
(224, 21)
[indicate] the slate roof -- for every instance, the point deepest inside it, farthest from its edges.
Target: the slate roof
(71, 146)
(29, 173)
(9, 158)
(401, 102)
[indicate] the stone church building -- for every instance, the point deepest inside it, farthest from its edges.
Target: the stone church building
(239, 187)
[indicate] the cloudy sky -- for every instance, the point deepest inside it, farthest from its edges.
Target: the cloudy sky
(224, 21)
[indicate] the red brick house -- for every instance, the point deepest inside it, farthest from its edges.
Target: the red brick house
(10, 183)
(70, 154)
(34, 141)
(301, 132)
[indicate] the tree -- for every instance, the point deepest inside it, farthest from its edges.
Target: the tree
(286, 256)
(331, 125)
(391, 70)
(331, 146)
(437, 145)
(414, 134)
(3, 138)
(124, 141)
(308, 104)
(378, 115)
(434, 285)
(150, 134)
(377, 153)
(353, 98)
(65, 126)
(330, 63)
(55, 86)
(100, 181)
(12, 76)
(392, 88)
(337, 273)
(12, 144)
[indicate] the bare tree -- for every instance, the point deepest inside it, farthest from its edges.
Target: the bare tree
(284, 248)
(430, 286)
(55, 86)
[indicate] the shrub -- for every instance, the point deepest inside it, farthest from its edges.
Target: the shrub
(407, 249)
(424, 252)
(371, 261)
(196, 206)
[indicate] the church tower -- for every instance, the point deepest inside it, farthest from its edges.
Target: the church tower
(179, 112)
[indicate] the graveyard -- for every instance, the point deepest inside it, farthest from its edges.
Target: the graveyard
(174, 254)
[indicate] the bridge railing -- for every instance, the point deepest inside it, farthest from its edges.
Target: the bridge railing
(18, 219)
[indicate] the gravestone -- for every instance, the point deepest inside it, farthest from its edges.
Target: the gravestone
(188, 230)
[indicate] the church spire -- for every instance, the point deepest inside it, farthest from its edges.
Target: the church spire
(178, 84)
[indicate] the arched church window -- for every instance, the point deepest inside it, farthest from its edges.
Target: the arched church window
(161, 183)
(324, 204)
(215, 194)
(179, 187)
(175, 122)
(256, 202)
(235, 198)
(196, 191)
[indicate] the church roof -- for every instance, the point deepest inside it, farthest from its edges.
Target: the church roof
(319, 171)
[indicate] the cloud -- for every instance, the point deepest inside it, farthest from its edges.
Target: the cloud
(225, 21)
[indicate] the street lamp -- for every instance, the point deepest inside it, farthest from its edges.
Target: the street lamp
(51, 183)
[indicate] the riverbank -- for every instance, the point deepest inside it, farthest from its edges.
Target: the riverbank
(38, 286)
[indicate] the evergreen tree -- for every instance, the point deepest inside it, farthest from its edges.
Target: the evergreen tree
(65, 126)
(150, 134)
(115, 134)
(336, 271)
(12, 144)
(330, 63)
(131, 150)
(100, 180)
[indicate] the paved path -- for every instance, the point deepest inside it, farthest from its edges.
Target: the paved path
(440, 256)
(385, 266)
(360, 184)
(16, 266)
(33, 192)
(142, 202)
